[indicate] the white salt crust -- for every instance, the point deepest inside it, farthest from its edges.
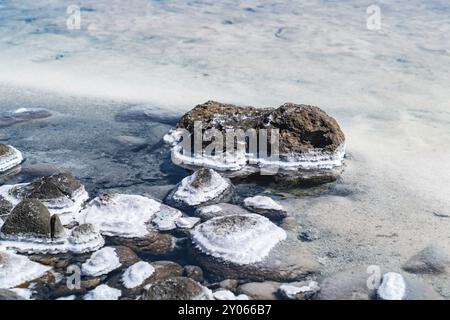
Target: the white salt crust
(135, 275)
(210, 209)
(240, 239)
(121, 214)
(72, 297)
(223, 294)
(291, 291)
(101, 262)
(393, 287)
(187, 222)
(195, 196)
(29, 245)
(166, 218)
(10, 160)
(313, 160)
(16, 270)
(24, 293)
(262, 202)
(103, 292)
(67, 208)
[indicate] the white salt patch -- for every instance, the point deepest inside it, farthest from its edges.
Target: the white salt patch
(16, 270)
(240, 239)
(262, 202)
(195, 196)
(187, 222)
(101, 262)
(24, 293)
(136, 274)
(393, 287)
(72, 297)
(292, 290)
(210, 209)
(166, 218)
(121, 214)
(11, 159)
(103, 292)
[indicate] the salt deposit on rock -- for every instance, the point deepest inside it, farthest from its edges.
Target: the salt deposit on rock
(203, 187)
(10, 157)
(228, 295)
(240, 239)
(251, 247)
(177, 288)
(393, 287)
(219, 210)
(265, 206)
(16, 270)
(103, 292)
(121, 215)
(61, 193)
(311, 144)
(22, 115)
(296, 291)
(101, 262)
(136, 274)
(187, 222)
(166, 218)
(30, 228)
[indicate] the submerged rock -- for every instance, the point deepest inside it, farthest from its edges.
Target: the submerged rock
(203, 187)
(265, 206)
(10, 157)
(23, 115)
(30, 219)
(431, 260)
(177, 288)
(131, 142)
(249, 247)
(61, 193)
(358, 284)
(311, 143)
(16, 270)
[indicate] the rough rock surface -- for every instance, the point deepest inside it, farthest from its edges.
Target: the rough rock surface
(267, 290)
(431, 260)
(306, 133)
(30, 218)
(265, 206)
(177, 288)
(154, 244)
(5, 206)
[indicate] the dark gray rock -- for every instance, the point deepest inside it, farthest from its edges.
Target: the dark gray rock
(30, 218)
(193, 272)
(5, 206)
(178, 288)
(431, 260)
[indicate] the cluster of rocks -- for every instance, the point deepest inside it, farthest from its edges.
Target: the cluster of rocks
(127, 246)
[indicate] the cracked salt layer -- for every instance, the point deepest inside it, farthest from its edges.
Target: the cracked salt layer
(121, 215)
(10, 160)
(67, 208)
(136, 274)
(101, 262)
(240, 239)
(16, 270)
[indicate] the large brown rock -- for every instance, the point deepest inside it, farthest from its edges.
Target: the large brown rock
(309, 139)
